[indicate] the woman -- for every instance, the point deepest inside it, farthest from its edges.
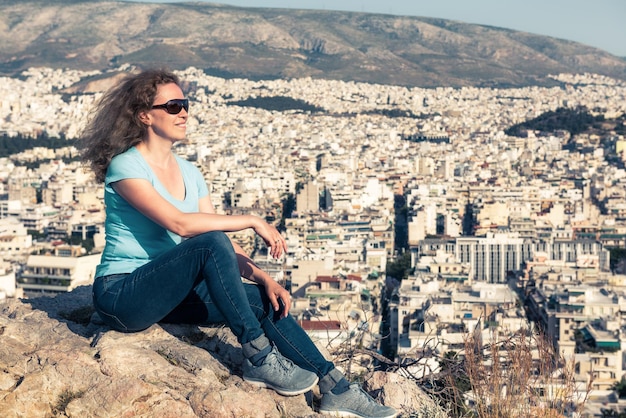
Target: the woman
(167, 256)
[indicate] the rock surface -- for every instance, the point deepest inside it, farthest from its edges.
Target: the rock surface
(56, 361)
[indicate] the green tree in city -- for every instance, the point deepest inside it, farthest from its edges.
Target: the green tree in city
(620, 388)
(289, 205)
(400, 268)
(616, 255)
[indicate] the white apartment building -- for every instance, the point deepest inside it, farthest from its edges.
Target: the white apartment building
(10, 208)
(283, 182)
(600, 362)
(494, 257)
(308, 199)
(302, 272)
(37, 217)
(58, 193)
(325, 333)
(582, 312)
(8, 287)
(563, 309)
(574, 251)
(490, 258)
(376, 256)
(14, 238)
(406, 312)
(23, 188)
(58, 273)
(323, 244)
(427, 314)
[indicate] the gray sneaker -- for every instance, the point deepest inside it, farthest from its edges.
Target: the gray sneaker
(279, 373)
(354, 402)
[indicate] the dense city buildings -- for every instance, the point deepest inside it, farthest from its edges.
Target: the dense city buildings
(504, 233)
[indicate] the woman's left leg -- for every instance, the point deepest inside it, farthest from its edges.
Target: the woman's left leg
(339, 397)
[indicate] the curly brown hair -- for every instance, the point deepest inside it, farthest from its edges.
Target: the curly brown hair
(115, 125)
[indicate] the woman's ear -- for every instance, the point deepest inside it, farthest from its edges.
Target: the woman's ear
(144, 118)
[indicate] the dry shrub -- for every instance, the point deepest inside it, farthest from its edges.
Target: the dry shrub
(519, 375)
(510, 376)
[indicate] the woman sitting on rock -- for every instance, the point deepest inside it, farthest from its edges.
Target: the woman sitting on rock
(167, 256)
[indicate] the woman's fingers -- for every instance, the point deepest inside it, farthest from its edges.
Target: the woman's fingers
(278, 246)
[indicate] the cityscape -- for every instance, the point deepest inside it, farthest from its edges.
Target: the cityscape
(501, 233)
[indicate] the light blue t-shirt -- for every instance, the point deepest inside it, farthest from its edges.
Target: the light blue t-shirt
(132, 239)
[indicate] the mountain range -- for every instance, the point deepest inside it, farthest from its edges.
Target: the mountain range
(263, 43)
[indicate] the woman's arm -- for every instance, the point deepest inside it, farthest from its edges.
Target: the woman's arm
(251, 271)
(142, 196)
(275, 291)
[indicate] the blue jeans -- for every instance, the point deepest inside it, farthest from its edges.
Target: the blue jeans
(198, 282)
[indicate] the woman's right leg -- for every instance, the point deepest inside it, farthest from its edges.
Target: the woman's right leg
(136, 301)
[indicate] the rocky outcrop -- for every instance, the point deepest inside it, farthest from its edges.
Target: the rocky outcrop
(56, 361)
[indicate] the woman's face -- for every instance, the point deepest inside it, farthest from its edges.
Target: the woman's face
(161, 121)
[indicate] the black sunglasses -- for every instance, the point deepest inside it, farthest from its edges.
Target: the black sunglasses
(174, 106)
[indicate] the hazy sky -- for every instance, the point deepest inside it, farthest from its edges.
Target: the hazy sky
(599, 23)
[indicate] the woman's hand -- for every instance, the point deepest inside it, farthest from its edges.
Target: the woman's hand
(279, 297)
(277, 294)
(272, 238)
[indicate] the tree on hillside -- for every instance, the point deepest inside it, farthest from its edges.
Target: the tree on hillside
(575, 121)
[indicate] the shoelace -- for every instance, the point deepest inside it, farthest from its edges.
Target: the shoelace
(284, 362)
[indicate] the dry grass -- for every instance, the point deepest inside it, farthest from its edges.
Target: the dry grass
(509, 376)
(519, 376)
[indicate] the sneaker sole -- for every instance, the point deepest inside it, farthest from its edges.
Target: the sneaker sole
(282, 391)
(348, 414)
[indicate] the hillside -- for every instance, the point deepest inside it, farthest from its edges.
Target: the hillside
(284, 43)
